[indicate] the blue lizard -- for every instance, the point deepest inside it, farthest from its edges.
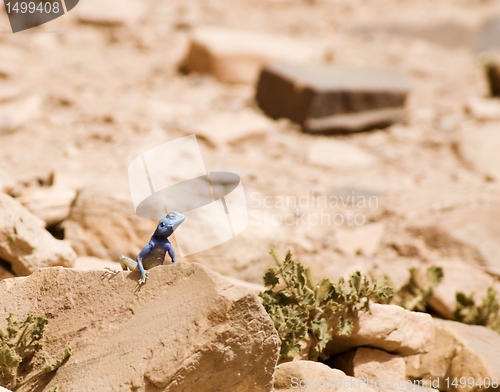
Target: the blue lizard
(153, 253)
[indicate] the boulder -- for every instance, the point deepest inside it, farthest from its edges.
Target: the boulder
(458, 276)
(387, 327)
(460, 350)
(332, 99)
(291, 376)
(378, 367)
(24, 242)
(186, 329)
(106, 226)
(236, 56)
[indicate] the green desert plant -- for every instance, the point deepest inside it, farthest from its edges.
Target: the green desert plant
(416, 293)
(20, 345)
(302, 310)
(487, 314)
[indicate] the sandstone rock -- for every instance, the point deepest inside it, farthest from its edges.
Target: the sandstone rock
(332, 99)
(106, 226)
(253, 287)
(390, 328)
(236, 56)
(25, 244)
(232, 128)
(458, 276)
(106, 13)
(378, 367)
(363, 239)
(469, 233)
(484, 108)
(186, 329)
(291, 376)
(51, 204)
(89, 263)
(478, 148)
(338, 154)
(460, 350)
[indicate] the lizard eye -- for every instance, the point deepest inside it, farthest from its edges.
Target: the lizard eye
(162, 224)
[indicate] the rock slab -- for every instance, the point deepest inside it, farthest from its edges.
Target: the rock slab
(461, 350)
(186, 329)
(24, 242)
(236, 56)
(332, 99)
(387, 327)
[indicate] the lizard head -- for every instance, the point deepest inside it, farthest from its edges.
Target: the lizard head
(168, 224)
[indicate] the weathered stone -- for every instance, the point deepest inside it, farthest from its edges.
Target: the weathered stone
(469, 233)
(25, 244)
(105, 226)
(186, 329)
(338, 154)
(89, 263)
(363, 239)
(390, 328)
(298, 375)
(106, 13)
(332, 99)
(236, 56)
(484, 108)
(478, 148)
(51, 204)
(458, 276)
(376, 366)
(460, 350)
(233, 128)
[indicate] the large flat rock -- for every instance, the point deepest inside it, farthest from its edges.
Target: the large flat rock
(332, 99)
(236, 56)
(387, 327)
(461, 350)
(186, 329)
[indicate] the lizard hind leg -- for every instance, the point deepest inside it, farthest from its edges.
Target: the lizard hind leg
(128, 263)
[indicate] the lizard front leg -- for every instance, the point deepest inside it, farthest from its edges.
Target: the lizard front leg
(170, 250)
(144, 273)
